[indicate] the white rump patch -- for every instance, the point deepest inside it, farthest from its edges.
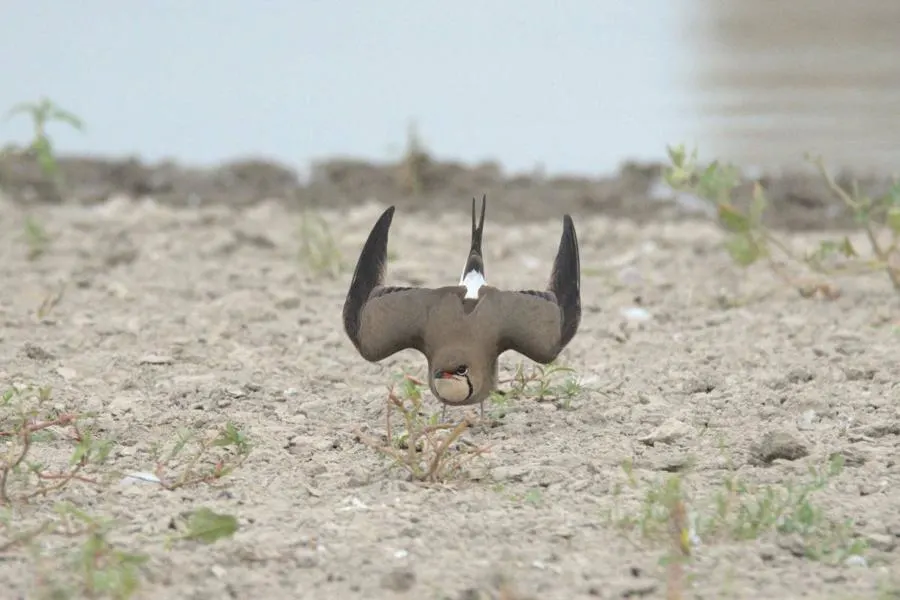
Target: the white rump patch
(473, 280)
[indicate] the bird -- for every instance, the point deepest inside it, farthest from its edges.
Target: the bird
(462, 329)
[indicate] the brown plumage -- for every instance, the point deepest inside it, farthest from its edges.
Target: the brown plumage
(462, 329)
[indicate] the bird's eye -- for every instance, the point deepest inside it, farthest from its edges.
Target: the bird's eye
(462, 370)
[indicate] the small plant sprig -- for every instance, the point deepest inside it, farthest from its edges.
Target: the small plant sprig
(93, 566)
(430, 451)
(750, 241)
(318, 248)
(43, 112)
(203, 458)
(72, 552)
(36, 238)
(542, 383)
(83, 558)
(50, 302)
(740, 511)
(416, 161)
(26, 419)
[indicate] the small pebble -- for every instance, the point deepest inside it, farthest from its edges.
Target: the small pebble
(36, 352)
(398, 580)
(667, 432)
(806, 421)
(139, 477)
(156, 359)
(635, 314)
(856, 561)
(67, 373)
(778, 445)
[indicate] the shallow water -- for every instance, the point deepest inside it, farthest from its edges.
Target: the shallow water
(774, 80)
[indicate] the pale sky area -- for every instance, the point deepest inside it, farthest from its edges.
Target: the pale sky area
(576, 86)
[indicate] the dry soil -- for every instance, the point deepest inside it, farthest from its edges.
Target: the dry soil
(720, 373)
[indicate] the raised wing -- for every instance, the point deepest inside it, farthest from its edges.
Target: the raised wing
(381, 320)
(539, 324)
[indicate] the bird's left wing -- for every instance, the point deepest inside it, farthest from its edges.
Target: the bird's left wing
(539, 324)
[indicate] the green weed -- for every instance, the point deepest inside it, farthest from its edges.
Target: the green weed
(739, 511)
(666, 513)
(41, 149)
(27, 418)
(36, 238)
(42, 113)
(542, 383)
(49, 449)
(195, 458)
(318, 248)
(416, 161)
(750, 241)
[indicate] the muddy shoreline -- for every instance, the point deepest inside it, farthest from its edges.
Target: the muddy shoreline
(799, 200)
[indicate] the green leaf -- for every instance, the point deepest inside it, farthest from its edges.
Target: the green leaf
(893, 219)
(732, 219)
(743, 250)
(231, 436)
(708, 184)
(847, 248)
(676, 177)
(826, 249)
(206, 526)
(862, 214)
(82, 450)
(717, 182)
(65, 116)
(20, 108)
(893, 195)
(677, 155)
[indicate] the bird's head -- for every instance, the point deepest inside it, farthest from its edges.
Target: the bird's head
(456, 378)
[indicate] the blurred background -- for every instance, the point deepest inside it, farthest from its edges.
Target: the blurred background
(574, 87)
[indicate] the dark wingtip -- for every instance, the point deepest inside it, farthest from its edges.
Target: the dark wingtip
(566, 280)
(368, 274)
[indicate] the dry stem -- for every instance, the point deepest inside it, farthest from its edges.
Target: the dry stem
(423, 444)
(27, 430)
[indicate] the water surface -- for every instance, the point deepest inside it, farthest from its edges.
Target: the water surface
(775, 79)
(576, 86)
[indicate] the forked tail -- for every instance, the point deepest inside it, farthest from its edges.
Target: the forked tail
(473, 276)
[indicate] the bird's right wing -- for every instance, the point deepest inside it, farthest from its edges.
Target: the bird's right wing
(378, 319)
(391, 320)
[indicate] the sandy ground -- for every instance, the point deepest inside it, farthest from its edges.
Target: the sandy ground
(250, 334)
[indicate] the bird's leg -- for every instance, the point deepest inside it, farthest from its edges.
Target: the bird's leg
(444, 413)
(482, 410)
